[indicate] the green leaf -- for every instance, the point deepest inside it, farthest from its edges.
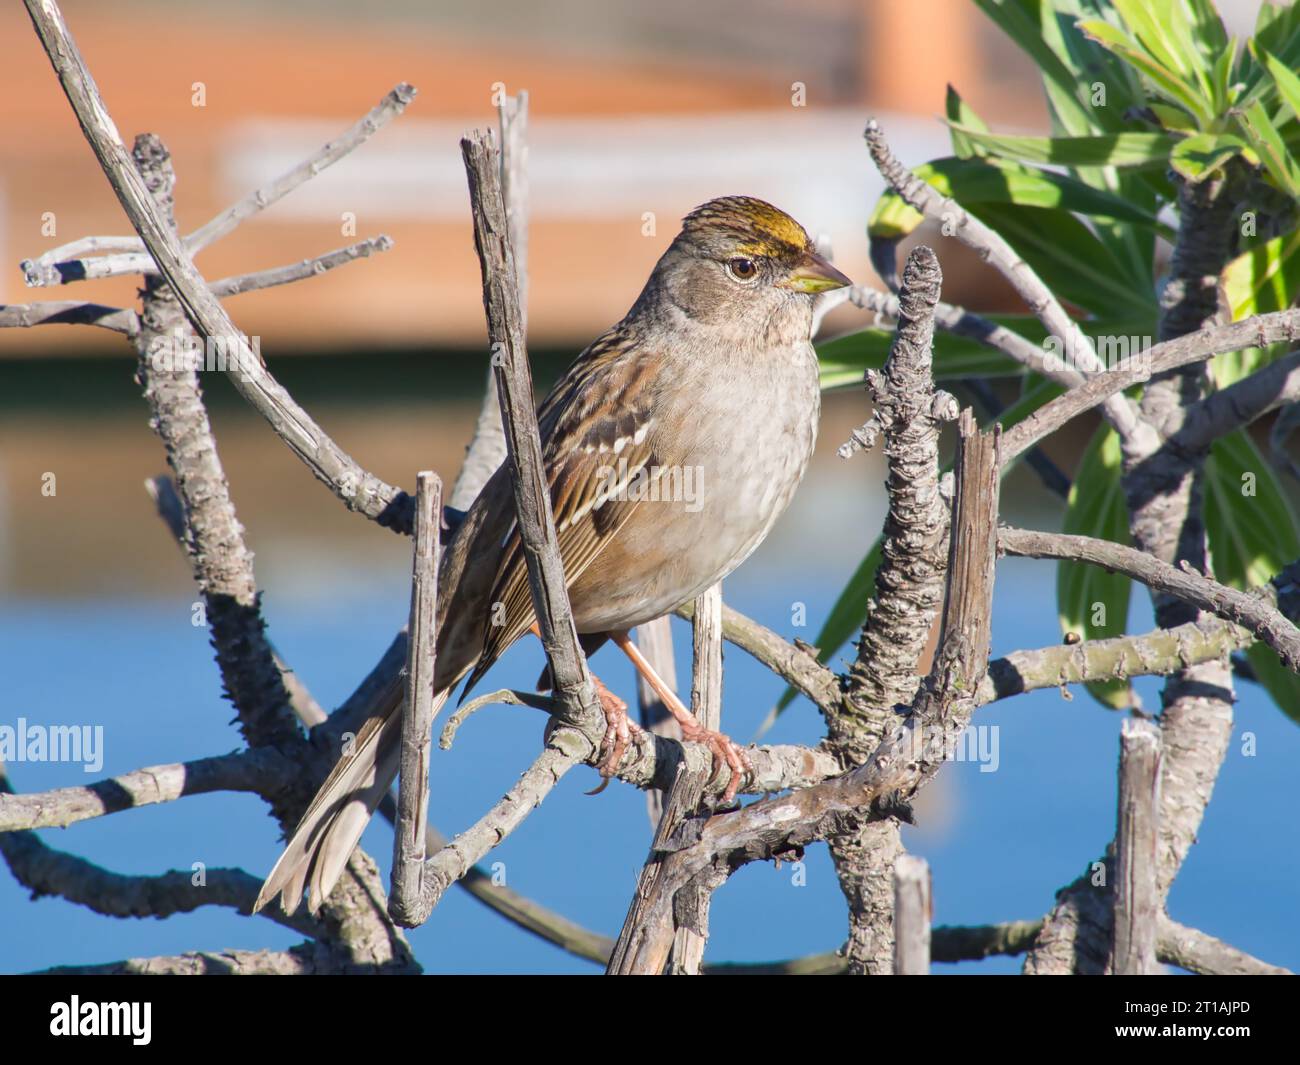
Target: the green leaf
(1160, 32)
(1091, 601)
(1089, 91)
(1273, 152)
(1199, 156)
(1070, 259)
(960, 112)
(1221, 76)
(1168, 82)
(1129, 150)
(976, 181)
(1208, 31)
(844, 359)
(1252, 536)
(1029, 25)
(850, 610)
(1285, 79)
(1173, 118)
(1277, 32)
(1263, 279)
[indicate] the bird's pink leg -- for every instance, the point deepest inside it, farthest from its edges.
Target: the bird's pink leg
(723, 748)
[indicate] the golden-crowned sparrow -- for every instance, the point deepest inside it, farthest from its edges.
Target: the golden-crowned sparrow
(671, 446)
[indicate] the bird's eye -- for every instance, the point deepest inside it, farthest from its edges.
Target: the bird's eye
(742, 269)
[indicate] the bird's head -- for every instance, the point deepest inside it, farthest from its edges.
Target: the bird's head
(740, 257)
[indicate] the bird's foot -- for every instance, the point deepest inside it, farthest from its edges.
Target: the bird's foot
(724, 750)
(619, 730)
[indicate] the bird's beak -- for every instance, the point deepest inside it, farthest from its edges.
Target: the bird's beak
(814, 274)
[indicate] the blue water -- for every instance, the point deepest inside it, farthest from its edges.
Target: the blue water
(999, 843)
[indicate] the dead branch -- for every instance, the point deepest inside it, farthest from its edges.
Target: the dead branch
(262, 771)
(1258, 331)
(411, 828)
(1252, 611)
(67, 263)
(238, 284)
(69, 312)
(993, 249)
(1137, 892)
(331, 465)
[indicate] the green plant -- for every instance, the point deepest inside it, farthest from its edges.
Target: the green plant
(1142, 95)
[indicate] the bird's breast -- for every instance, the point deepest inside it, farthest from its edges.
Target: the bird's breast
(730, 457)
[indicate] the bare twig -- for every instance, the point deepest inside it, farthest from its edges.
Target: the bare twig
(1241, 403)
(306, 960)
(912, 752)
(655, 642)
(991, 247)
(960, 322)
(1162, 486)
(261, 771)
(409, 831)
(565, 748)
(528, 914)
(691, 909)
(1137, 894)
(1259, 331)
(1199, 952)
(575, 694)
(794, 662)
(223, 566)
(69, 312)
(43, 870)
(572, 682)
(1151, 654)
(284, 275)
(1252, 611)
(357, 488)
(909, 582)
(487, 448)
(57, 266)
(912, 916)
(909, 586)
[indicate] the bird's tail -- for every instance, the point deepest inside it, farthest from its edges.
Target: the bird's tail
(332, 826)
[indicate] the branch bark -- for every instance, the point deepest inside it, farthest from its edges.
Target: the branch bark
(487, 448)
(1137, 895)
(1156, 653)
(679, 947)
(912, 915)
(69, 312)
(1253, 611)
(300, 271)
(910, 413)
(1258, 331)
(262, 771)
(410, 830)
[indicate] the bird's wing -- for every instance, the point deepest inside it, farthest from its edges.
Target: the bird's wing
(597, 434)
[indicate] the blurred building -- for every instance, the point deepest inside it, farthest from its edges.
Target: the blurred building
(640, 111)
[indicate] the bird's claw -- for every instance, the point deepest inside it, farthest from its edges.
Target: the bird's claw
(725, 751)
(619, 730)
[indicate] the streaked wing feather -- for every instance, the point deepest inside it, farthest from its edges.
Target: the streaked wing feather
(593, 442)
